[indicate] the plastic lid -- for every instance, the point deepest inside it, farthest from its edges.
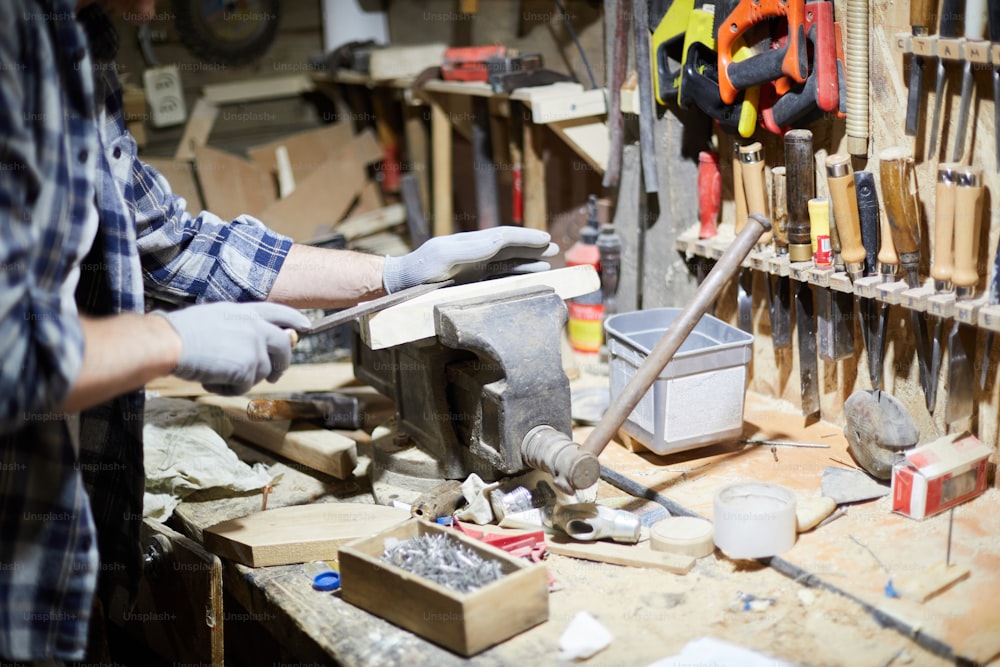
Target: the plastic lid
(326, 581)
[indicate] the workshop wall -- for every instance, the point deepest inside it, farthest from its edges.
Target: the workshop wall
(775, 372)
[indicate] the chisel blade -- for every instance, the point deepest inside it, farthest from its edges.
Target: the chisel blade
(948, 28)
(960, 343)
(878, 347)
(915, 96)
(805, 324)
(780, 307)
(744, 301)
(843, 325)
(935, 365)
(996, 112)
(963, 112)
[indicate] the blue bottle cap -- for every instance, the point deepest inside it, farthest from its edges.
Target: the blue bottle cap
(326, 581)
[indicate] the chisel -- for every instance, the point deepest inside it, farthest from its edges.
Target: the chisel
(921, 21)
(779, 286)
(888, 265)
(992, 299)
(903, 212)
(868, 214)
(844, 196)
(948, 28)
(968, 212)
(942, 265)
(800, 188)
(752, 169)
(975, 29)
(744, 284)
(830, 333)
(994, 23)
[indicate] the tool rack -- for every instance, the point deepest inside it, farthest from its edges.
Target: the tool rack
(975, 312)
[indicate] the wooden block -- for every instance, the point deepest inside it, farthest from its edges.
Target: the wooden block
(466, 623)
(178, 613)
(198, 127)
(370, 223)
(319, 200)
(588, 138)
(941, 305)
(400, 62)
(255, 90)
(414, 319)
(949, 49)
(547, 110)
(810, 511)
(632, 555)
(298, 378)
(977, 52)
(233, 186)
(923, 585)
(629, 94)
(924, 46)
(320, 449)
(684, 535)
(298, 534)
(180, 176)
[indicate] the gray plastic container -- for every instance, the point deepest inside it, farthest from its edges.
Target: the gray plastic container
(698, 398)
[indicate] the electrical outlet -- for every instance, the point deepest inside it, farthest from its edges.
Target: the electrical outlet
(165, 95)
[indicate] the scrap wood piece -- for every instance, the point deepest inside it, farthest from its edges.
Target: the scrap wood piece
(232, 186)
(298, 534)
(198, 127)
(633, 555)
(306, 150)
(298, 378)
(321, 449)
(369, 223)
(256, 90)
(922, 586)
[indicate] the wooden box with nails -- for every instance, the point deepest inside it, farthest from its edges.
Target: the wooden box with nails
(466, 623)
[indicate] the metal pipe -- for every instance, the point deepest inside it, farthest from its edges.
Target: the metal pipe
(672, 339)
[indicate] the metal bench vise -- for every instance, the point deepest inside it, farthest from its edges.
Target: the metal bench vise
(486, 395)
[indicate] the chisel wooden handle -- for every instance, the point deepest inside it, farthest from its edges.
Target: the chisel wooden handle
(844, 194)
(739, 194)
(944, 227)
(870, 216)
(922, 15)
(968, 211)
(801, 187)
(779, 210)
(896, 170)
(752, 168)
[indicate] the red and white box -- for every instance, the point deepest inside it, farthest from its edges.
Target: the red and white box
(939, 475)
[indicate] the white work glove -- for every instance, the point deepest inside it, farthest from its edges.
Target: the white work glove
(230, 347)
(470, 256)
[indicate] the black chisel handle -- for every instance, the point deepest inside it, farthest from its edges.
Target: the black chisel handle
(951, 19)
(868, 214)
(994, 21)
(800, 179)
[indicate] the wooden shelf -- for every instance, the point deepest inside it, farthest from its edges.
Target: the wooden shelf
(974, 312)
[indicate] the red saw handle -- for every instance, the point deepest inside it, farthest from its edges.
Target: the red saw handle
(749, 13)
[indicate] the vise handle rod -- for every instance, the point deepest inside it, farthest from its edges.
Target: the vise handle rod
(674, 337)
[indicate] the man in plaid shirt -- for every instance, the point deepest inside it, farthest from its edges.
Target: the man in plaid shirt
(86, 230)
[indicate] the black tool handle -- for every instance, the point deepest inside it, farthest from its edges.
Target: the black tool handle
(994, 20)
(951, 19)
(800, 179)
(758, 69)
(698, 89)
(868, 214)
(795, 104)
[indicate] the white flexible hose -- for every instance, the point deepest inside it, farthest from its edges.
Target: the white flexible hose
(856, 54)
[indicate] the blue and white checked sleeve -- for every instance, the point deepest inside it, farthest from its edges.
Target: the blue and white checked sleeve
(41, 341)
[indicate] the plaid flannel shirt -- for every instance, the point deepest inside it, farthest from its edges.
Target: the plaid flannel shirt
(63, 150)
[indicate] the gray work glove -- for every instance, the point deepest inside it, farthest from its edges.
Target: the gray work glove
(470, 256)
(230, 347)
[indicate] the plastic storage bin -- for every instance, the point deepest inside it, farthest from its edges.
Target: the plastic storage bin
(698, 398)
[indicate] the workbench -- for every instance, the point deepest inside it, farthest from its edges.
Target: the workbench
(830, 595)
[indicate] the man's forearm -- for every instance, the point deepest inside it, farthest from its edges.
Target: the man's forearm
(319, 278)
(120, 354)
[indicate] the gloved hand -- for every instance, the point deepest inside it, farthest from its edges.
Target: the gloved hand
(470, 256)
(230, 347)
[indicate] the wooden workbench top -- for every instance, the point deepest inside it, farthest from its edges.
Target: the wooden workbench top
(652, 614)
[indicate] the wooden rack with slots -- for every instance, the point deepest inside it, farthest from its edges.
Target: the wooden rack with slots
(974, 312)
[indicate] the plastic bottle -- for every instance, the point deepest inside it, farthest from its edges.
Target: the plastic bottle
(586, 312)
